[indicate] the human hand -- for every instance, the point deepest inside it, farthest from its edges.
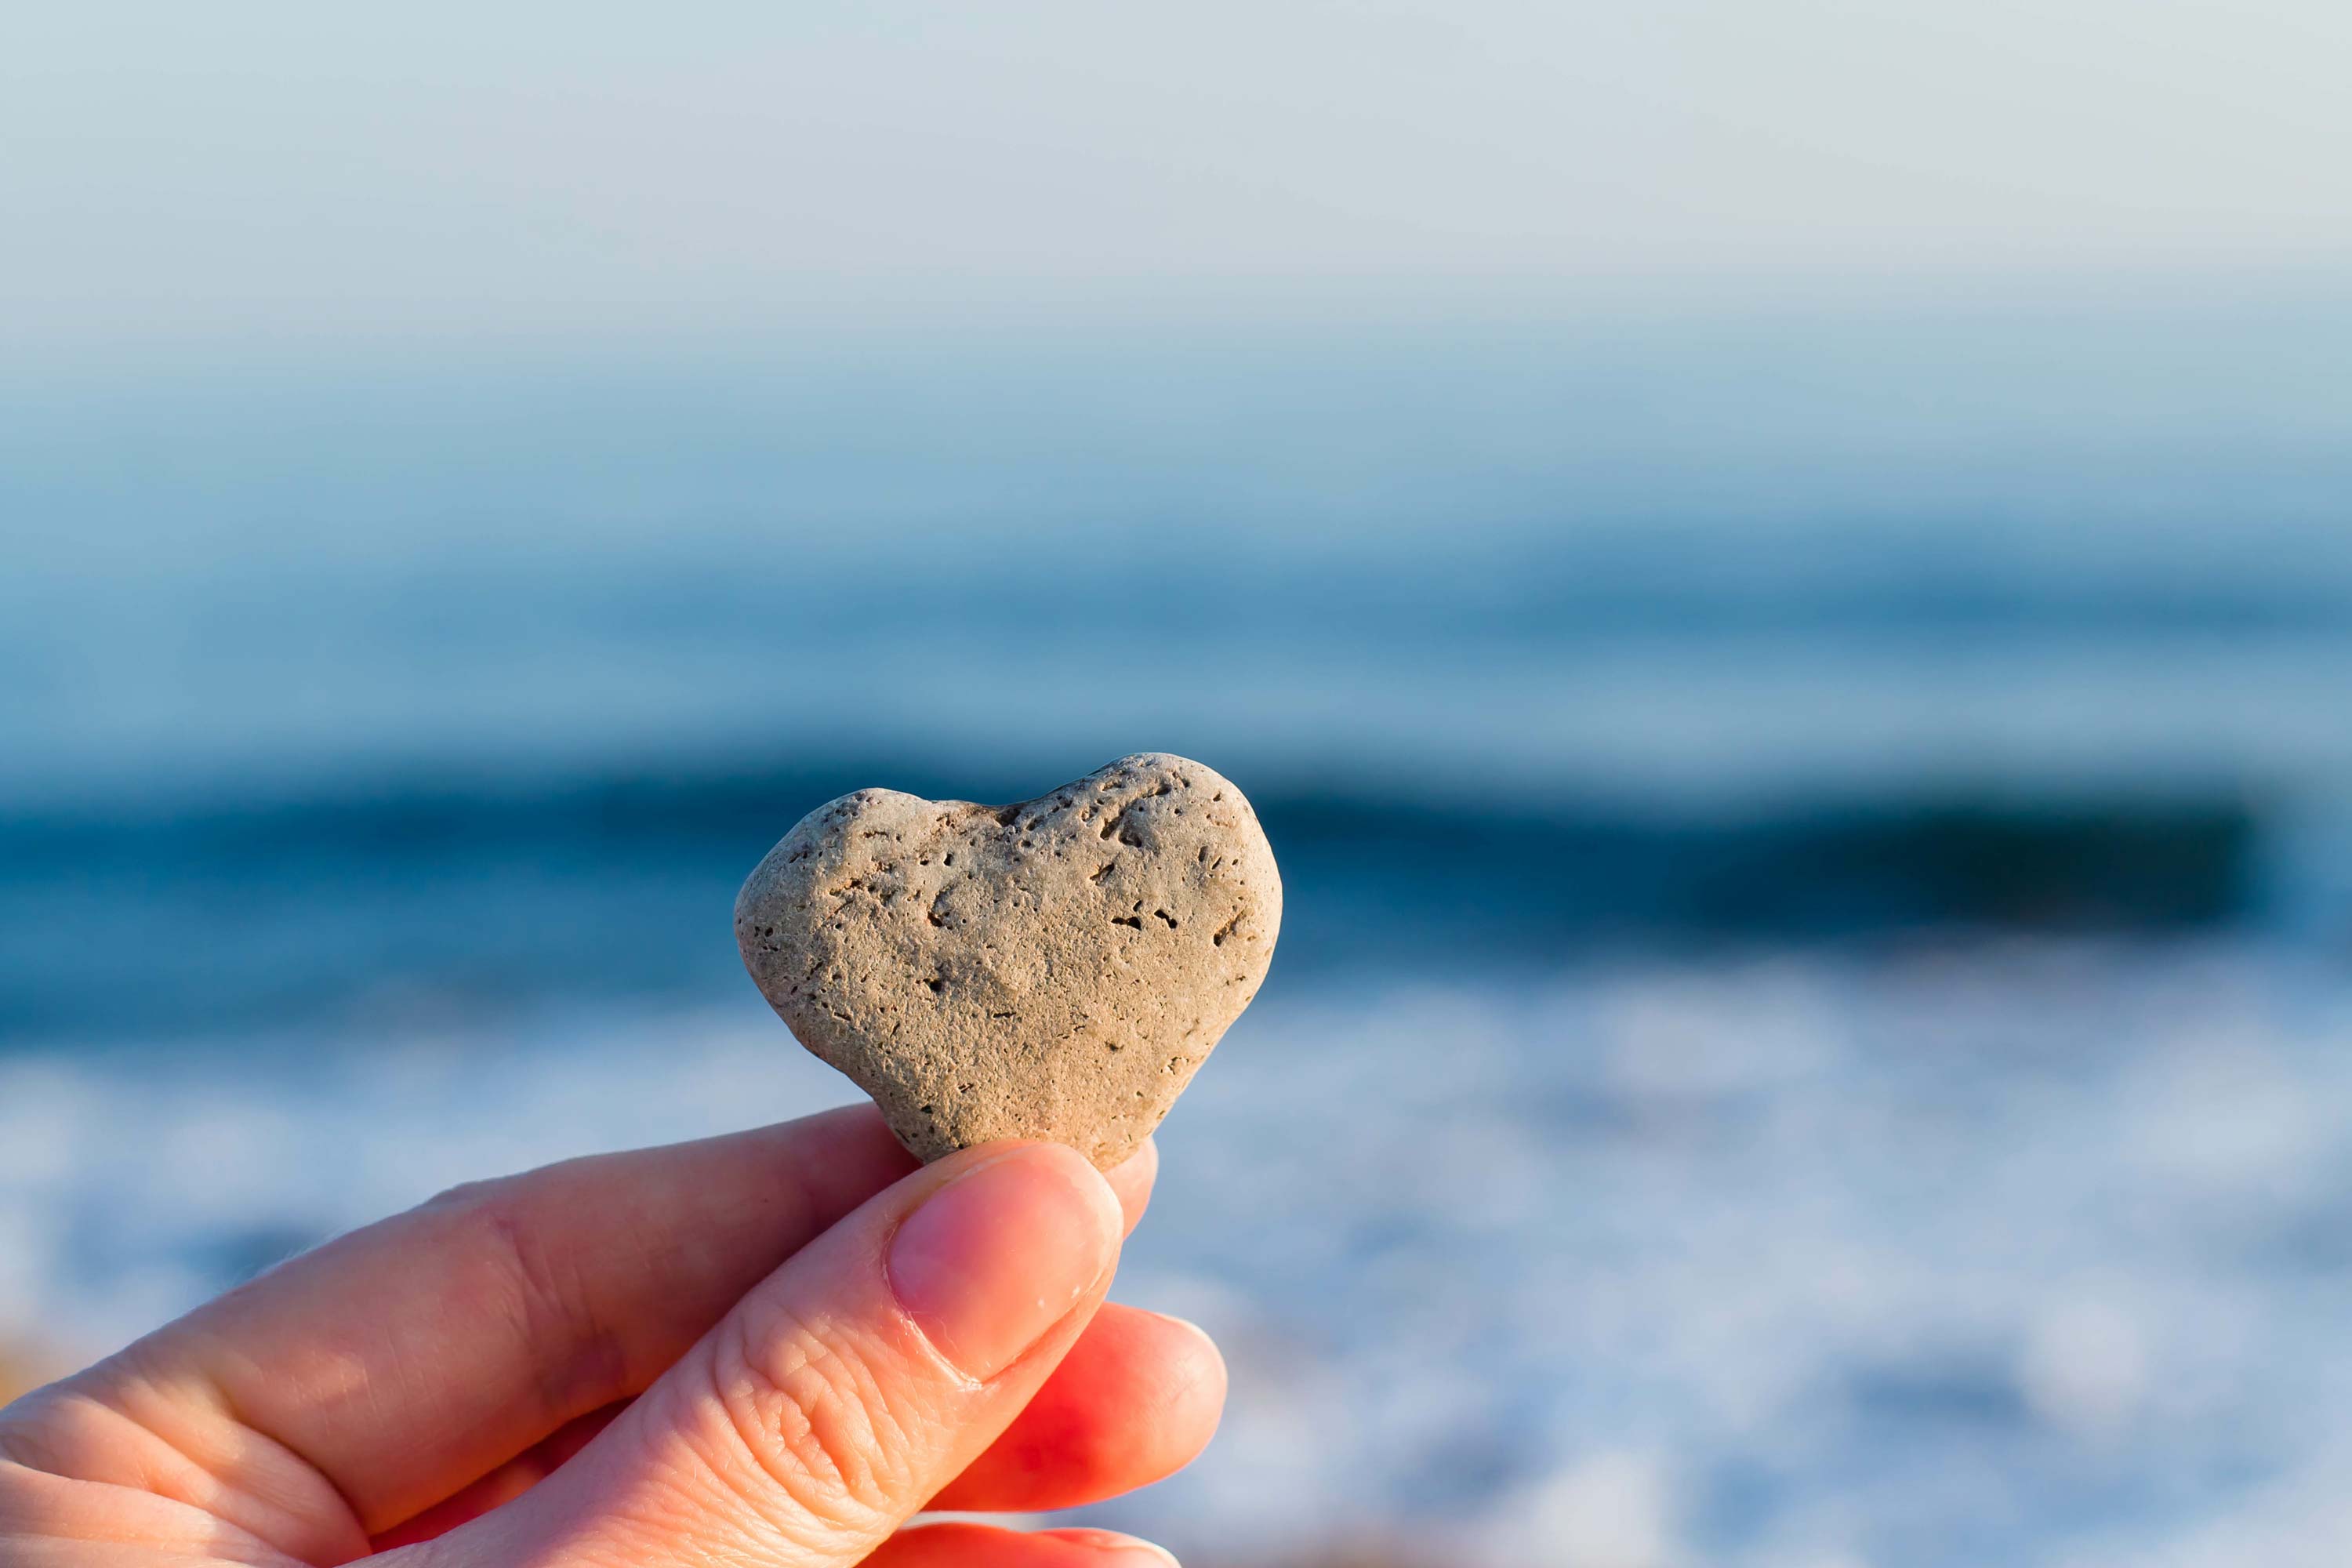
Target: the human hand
(767, 1350)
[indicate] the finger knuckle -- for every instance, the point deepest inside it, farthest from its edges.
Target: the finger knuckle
(814, 1421)
(507, 1275)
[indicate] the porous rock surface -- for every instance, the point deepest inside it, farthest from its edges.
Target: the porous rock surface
(1056, 969)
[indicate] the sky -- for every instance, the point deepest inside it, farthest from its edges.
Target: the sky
(303, 172)
(469, 295)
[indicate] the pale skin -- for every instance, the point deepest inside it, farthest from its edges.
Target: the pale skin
(768, 1349)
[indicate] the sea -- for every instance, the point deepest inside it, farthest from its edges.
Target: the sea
(1814, 1022)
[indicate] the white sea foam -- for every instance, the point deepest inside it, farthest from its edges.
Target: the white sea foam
(2031, 1254)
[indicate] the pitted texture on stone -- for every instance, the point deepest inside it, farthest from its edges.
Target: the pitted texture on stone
(1055, 969)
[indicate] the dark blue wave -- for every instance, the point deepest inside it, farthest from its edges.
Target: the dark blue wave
(449, 895)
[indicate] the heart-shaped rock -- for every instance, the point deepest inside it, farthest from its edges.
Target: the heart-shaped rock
(1055, 969)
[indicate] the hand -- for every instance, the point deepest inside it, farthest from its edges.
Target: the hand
(765, 1350)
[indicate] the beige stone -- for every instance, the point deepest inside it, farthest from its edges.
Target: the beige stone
(1055, 969)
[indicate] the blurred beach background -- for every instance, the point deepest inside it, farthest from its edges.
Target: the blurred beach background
(1780, 575)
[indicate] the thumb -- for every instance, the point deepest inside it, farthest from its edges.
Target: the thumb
(847, 1388)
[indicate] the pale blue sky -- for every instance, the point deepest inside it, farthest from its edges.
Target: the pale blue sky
(446, 169)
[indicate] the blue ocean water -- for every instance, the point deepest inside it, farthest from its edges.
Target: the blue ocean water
(1817, 861)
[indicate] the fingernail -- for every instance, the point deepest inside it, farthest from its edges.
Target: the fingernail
(1122, 1550)
(996, 1258)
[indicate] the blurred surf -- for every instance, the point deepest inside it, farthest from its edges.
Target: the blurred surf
(1817, 852)
(2001, 1250)
(460, 898)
